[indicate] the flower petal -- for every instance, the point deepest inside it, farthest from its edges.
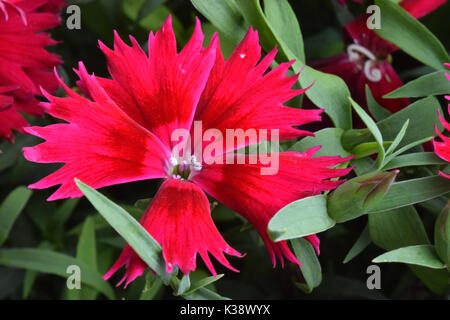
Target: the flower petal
(241, 94)
(420, 8)
(258, 197)
(10, 120)
(165, 87)
(356, 31)
(389, 82)
(100, 145)
(179, 219)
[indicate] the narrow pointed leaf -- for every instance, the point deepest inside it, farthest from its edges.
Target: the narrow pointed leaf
(377, 111)
(361, 243)
(54, 263)
(184, 285)
(372, 126)
(203, 283)
(442, 235)
(414, 159)
(10, 209)
(86, 252)
(428, 85)
(412, 191)
(281, 17)
(224, 16)
(398, 138)
(421, 255)
(136, 236)
(311, 269)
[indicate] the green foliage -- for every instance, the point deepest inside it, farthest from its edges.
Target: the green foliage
(411, 36)
(300, 218)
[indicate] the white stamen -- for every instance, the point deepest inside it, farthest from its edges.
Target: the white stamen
(372, 73)
(173, 161)
(354, 52)
(197, 166)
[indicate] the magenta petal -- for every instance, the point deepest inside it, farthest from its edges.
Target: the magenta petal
(420, 8)
(164, 88)
(179, 218)
(25, 64)
(237, 94)
(258, 197)
(100, 145)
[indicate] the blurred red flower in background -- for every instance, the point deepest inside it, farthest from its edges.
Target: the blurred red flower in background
(25, 65)
(368, 59)
(442, 149)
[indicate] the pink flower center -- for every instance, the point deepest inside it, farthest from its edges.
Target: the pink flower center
(184, 169)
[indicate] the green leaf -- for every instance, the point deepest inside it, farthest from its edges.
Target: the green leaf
(437, 280)
(328, 138)
(143, 203)
(328, 92)
(421, 255)
(281, 17)
(204, 294)
(9, 153)
(135, 235)
(202, 283)
(155, 19)
(184, 285)
(403, 30)
(422, 115)
(367, 148)
(311, 269)
(300, 218)
(397, 228)
(224, 15)
(412, 191)
(398, 138)
(54, 263)
(59, 218)
(377, 111)
(147, 7)
(371, 125)
(361, 243)
(442, 235)
(10, 209)
(362, 166)
(31, 275)
(414, 159)
(152, 286)
(428, 85)
(384, 231)
(407, 147)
